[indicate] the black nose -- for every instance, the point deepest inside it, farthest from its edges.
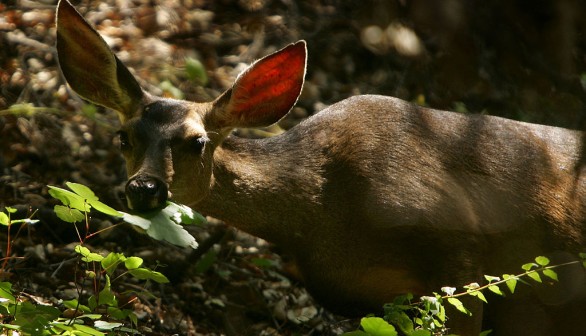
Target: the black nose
(145, 193)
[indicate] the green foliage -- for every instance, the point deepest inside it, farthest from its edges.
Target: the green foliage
(100, 313)
(196, 71)
(82, 199)
(374, 326)
(160, 225)
(29, 319)
(166, 224)
(6, 220)
(427, 316)
(171, 90)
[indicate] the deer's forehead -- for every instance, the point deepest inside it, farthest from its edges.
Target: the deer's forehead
(166, 112)
(168, 117)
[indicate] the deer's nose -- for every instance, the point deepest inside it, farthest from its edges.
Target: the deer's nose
(145, 193)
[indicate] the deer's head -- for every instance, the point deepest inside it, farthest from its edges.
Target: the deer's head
(169, 144)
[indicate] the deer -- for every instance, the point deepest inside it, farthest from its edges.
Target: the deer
(372, 197)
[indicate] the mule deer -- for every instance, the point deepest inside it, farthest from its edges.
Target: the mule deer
(373, 196)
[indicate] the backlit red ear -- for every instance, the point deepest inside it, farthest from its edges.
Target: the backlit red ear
(266, 91)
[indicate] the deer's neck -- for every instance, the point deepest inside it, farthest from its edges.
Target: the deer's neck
(258, 185)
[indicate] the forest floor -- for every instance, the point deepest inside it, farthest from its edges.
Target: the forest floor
(453, 59)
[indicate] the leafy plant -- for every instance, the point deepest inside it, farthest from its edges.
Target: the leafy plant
(374, 326)
(160, 225)
(427, 316)
(6, 220)
(105, 301)
(102, 311)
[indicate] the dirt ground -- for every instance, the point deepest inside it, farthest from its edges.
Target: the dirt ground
(524, 60)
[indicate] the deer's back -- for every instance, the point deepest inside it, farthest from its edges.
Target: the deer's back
(423, 167)
(397, 178)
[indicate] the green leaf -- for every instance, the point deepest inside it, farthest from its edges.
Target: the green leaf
(92, 302)
(459, 305)
(67, 214)
(182, 214)
(107, 326)
(161, 225)
(74, 304)
(491, 278)
(106, 297)
(6, 292)
(33, 318)
(4, 219)
(91, 198)
(196, 71)
(164, 224)
(119, 314)
(550, 274)
(529, 266)
(401, 320)
(376, 326)
(535, 276)
(86, 330)
(135, 220)
(485, 332)
(171, 89)
(61, 328)
(542, 261)
(11, 210)
(147, 274)
(83, 191)
(442, 314)
(477, 294)
(111, 262)
(87, 255)
(496, 290)
(133, 262)
(402, 299)
(70, 199)
(418, 321)
(511, 282)
(91, 316)
(105, 209)
(84, 251)
(133, 319)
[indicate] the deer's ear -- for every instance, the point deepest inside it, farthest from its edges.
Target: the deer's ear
(90, 67)
(264, 92)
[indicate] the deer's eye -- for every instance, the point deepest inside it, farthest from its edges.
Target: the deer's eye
(124, 141)
(194, 144)
(197, 143)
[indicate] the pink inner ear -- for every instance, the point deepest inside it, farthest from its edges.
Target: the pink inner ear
(270, 87)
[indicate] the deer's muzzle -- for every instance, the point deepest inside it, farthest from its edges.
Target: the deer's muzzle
(146, 193)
